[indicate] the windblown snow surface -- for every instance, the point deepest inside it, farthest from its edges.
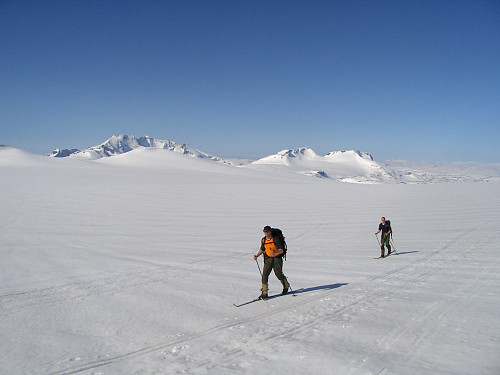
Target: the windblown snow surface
(131, 264)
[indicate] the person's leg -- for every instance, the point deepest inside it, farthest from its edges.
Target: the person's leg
(278, 271)
(268, 267)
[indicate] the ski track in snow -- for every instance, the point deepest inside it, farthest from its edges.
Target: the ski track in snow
(335, 304)
(424, 325)
(80, 290)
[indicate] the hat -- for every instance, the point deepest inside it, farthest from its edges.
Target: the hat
(267, 228)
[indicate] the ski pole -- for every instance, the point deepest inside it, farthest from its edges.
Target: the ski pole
(393, 247)
(378, 241)
(259, 267)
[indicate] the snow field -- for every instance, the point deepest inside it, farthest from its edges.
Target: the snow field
(131, 265)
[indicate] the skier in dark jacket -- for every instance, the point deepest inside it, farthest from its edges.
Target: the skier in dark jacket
(272, 248)
(385, 227)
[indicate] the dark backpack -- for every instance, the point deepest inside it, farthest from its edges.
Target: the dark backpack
(389, 222)
(278, 233)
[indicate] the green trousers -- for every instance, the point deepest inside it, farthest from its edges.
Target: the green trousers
(271, 264)
(386, 241)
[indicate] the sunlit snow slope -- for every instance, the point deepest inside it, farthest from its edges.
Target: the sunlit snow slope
(131, 264)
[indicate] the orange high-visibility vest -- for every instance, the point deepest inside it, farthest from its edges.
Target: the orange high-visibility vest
(269, 245)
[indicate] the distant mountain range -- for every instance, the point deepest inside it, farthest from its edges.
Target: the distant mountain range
(347, 166)
(121, 144)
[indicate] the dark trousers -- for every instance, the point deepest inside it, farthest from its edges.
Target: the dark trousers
(271, 264)
(386, 242)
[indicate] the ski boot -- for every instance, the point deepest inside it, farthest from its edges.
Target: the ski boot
(286, 286)
(264, 290)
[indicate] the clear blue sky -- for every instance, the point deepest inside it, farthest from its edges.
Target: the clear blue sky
(414, 80)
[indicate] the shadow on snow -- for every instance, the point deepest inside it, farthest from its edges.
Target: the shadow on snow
(404, 252)
(321, 287)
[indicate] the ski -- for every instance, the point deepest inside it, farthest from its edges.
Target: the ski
(384, 257)
(267, 299)
(247, 303)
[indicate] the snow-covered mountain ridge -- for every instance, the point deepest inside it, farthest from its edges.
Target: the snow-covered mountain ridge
(121, 144)
(346, 166)
(350, 166)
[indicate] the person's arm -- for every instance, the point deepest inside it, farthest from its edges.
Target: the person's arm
(279, 245)
(258, 254)
(262, 249)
